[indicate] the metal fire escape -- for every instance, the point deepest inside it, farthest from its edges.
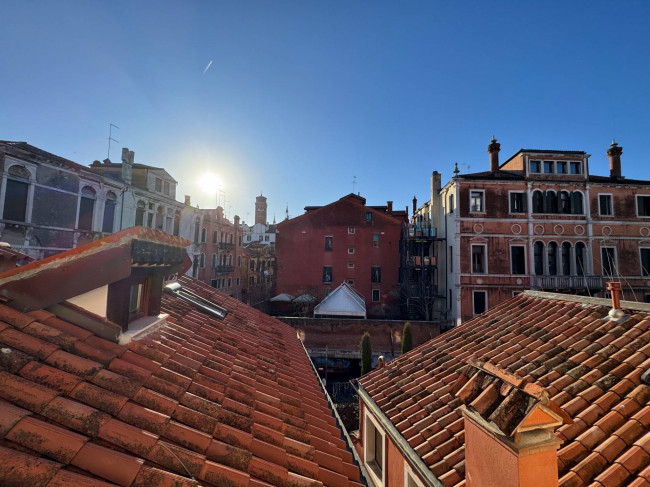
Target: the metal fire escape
(419, 274)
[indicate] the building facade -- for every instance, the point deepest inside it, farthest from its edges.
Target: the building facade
(49, 204)
(345, 241)
(260, 232)
(258, 275)
(541, 221)
(219, 260)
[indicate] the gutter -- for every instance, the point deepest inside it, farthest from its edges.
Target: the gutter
(413, 458)
(364, 473)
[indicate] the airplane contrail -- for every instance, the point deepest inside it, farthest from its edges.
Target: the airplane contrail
(207, 67)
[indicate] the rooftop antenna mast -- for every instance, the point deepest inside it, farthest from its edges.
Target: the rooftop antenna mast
(110, 133)
(354, 184)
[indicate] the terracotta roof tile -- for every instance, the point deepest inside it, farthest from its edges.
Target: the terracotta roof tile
(236, 401)
(591, 366)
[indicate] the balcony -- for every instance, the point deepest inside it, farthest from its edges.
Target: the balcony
(224, 269)
(576, 283)
(226, 246)
(417, 230)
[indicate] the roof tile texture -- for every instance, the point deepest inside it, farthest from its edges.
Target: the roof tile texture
(197, 402)
(591, 367)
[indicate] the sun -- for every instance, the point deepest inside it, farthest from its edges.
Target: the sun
(210, 183)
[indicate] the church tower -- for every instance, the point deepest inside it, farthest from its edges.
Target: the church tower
(260, 210)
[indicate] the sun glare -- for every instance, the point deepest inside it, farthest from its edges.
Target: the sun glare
(210, 183)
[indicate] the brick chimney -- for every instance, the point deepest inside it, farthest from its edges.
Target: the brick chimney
(389, 207)
(509, 429)
(614, 153)
(494, 149)
(188, 200)
(415, 204)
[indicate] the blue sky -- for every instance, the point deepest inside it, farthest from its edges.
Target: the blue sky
(302, 96)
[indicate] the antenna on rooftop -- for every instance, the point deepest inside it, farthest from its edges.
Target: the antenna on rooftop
(354, 184)
(110, 133)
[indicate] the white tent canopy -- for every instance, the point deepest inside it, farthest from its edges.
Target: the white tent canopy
(282, 298)
(343, 301)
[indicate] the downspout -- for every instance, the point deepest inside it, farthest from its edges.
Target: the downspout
(346, 437)
(409, 454)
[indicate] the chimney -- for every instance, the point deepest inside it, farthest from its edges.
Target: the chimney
(614, 153)
(389, 207)
(509, 429)
(615, 290)
(127, 164)
(236, 220)
(494, 149)
(188, 200)
(415, 204)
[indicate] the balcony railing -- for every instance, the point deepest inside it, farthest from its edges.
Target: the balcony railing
(566, 282)
(426, 261)
(419, 230)
(223, 269)
(226, 246)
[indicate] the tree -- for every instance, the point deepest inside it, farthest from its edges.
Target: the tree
(407, 339)
(366, 354)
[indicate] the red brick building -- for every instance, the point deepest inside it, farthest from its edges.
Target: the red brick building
(345, 241)
(541, 221)
(220, 258)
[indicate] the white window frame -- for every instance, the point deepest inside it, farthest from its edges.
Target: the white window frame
(611, 204)
(552, 163)
(410, 475)
(523, 193)
(580, 168)
(564, 163)
(350, 265)
(474, 293)
(350, 250)
(530, 166)
(372, 295)
(641, 262)
(482, 191)
(615, 272)
(351, 230)
(485, 259)
(369, 449)
(525, 259)
(350, 282)
(636, 202)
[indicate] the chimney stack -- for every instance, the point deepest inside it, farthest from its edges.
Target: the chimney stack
(389, 207)
(187, 200)
(415, 204)
(494, 149)
(509, 429)
(614, 153)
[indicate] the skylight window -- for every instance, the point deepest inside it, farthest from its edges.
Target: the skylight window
(205, 305)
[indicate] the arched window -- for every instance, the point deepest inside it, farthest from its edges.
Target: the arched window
(576, 203)
(538, 202)
(252, 265)
(551, 202)
(139, 214)
(109, 212)
(214, 260)
(204, 235)
(215, 237)
(580, 259)
(86, 207)
(565, 202)
(566, 259)
(539, 258)
(552, 259)
(16, 194)
(202, 260)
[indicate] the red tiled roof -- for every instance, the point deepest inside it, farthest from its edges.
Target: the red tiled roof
(197, 402)
(590, 365)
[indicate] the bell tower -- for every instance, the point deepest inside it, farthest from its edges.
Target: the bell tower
(260, 210)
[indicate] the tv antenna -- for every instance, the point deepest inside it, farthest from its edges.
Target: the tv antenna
(110, 133)
(354, 184)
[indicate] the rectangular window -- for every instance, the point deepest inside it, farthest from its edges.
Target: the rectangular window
(238, 282)
(451, 203)
(229, 281)
(410, 479)
(548, 167)
(575, 167)
(166, 190)
(375, 295)
(109, 216)
(642, 205)
(368, 216)
(350, 265)
(560, 167)
(535, 167)
(327, 273)
(86, 206)
(350, 250)
(159, 185)
(351, 230)
(480, 302)
(605, 204)
(266, 238)
(375, 274)
(645, 262)
(351, 282)
(518, 259)
(517, 202)
(476, 201)
(15, 201)
(478, 259)
(374, 449)
(608, 260)
(375, 240)
(251, 281)
(328, 243)
(213, 283)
